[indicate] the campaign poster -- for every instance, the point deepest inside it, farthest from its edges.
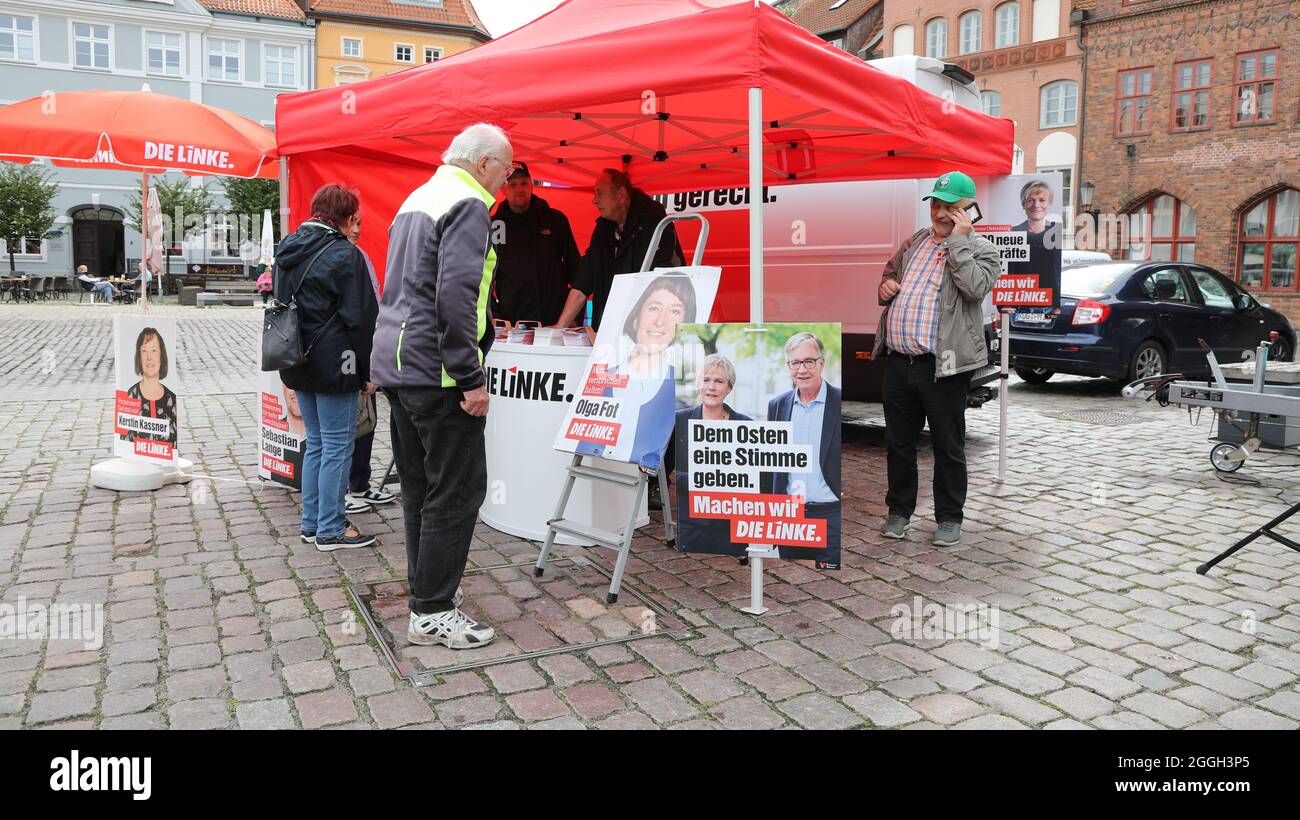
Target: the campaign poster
(623, 409)
(757, 440)
(281, 434)
(145, 412)
(1022, 218)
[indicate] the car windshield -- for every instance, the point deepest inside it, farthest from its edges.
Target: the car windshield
(1091, 280)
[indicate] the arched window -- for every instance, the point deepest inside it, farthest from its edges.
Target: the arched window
(971, 25)
(936, 38)
(1163, 228)
(1007, 20)
(1047, 20)
(991, 102)
(904, 41)
(1269, 236)
(1059, 104)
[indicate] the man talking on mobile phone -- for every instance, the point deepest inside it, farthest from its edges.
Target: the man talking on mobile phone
(932, 334)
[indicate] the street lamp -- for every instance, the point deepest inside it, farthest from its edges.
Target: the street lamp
(1086, 190)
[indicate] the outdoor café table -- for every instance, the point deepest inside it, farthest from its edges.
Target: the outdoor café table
(12, 284)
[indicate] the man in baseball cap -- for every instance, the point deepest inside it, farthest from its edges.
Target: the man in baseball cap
(537, 256)
(932, 336)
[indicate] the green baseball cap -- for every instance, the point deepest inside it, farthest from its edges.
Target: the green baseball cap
(951, 187)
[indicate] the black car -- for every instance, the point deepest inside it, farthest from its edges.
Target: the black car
(1129, 320)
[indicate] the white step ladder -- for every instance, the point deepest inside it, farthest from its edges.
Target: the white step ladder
(621, 541)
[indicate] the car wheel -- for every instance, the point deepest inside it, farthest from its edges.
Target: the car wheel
(1148, 360)
(1280, 352)
(1035, 375)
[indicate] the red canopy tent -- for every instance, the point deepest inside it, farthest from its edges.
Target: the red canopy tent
(684, 94)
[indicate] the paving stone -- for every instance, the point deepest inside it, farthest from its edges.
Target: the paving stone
(1014, 704)
(947, 708)
(819, 712)
(328, 708)
(1023, 678)
(203, 713)
(1251, 718)
(593, 700)
(658, 700)
(746, 713)
(125, 703)
(776, 683)
(514, 677)
(709, 687)
(266, 714)
(47, 707)
(1080, 703)
(399, 709)
(309, 676)
(467, 710)
(537, 705)
(1169, 712)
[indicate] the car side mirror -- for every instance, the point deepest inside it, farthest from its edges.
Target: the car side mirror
(1242, 301)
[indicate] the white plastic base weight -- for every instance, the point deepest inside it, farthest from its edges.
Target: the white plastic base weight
(755, 586)
(124, 475)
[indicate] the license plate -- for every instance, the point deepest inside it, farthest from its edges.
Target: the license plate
(1032, 319)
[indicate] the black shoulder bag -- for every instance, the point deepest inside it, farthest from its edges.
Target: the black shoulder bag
(281, 334)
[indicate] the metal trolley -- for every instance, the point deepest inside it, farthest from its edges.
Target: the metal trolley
(1254, 418)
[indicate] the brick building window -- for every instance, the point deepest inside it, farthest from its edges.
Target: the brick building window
(972, 36)
(1133, 102)
(1163, 228)
(1270, 233)
(1006, 19)
(1253, 87)
(936, 38)
(1059, 105)
(991, 102)
(1191, 95)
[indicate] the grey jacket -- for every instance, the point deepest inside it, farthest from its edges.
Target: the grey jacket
(971, 267)
(435, 324)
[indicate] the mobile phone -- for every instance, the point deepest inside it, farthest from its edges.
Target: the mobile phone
(974, 210)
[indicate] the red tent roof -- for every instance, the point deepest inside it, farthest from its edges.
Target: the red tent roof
(658, 85)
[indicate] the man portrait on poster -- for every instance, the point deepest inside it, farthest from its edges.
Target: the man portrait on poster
(812, 406)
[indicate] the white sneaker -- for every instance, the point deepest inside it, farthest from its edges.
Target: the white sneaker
(355, 507)
(372, 497)
(453, 629)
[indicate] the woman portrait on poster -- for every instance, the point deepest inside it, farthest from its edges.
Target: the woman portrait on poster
(1043, 231)
(715, 382)
(649, 332)
(156, 400)
(293, 414)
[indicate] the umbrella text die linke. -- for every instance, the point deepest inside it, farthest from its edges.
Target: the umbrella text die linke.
(186, 154)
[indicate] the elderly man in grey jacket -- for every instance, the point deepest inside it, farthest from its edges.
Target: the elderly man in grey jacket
(933, 329)
(434, 330)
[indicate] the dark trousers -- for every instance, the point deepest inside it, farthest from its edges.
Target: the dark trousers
(442, 465)
(913, 397)
(359, 470)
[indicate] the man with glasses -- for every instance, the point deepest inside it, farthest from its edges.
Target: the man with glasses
(434, 331)
(933, 291)
(813, 408)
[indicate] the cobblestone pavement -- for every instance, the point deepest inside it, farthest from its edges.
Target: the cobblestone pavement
(218, 617)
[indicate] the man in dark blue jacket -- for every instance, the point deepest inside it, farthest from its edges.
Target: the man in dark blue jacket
(813, 406)
(435, 328)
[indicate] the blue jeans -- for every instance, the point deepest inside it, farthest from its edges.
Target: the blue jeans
(105, 290)
(331, 421)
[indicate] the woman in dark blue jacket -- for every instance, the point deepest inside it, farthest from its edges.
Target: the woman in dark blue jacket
(717, 379)
(325, 275)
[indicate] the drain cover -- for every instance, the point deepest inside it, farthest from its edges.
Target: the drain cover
(1109, 418)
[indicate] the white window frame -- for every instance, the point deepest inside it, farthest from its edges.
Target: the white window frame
(410, 46)
(906, 33)
(1014, 31)
(1067, 190)
(942, 42)
(207, 59)
(180, 49)
(1042, 105)
(984, 108)
(35, 35)
(978, 17)
(74, 39)
(30, 257)
(295, 62)
(361, 48)
(439, 56)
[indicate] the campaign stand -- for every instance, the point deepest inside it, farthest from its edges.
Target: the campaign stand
(621, 541)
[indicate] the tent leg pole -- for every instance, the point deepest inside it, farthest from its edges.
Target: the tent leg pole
(144, 238)
(1005, 332)
(756, 205)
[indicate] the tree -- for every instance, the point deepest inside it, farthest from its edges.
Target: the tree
(26, 194)
(183, 208)
(252, 196)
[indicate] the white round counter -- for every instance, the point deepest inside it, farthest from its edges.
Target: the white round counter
(531, 387)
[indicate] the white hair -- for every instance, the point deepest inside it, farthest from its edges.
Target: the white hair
(799, 338)
(720, 362)
(479, 140)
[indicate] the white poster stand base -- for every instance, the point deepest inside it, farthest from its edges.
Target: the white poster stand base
(124, 475)
(756, 555)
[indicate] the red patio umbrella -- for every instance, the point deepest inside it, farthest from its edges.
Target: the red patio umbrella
(136, 131)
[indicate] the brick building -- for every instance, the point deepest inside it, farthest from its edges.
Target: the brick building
(1026, 61)
(1190, 124)
(851, 25)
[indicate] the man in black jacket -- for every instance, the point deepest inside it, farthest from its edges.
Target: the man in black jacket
(618, 243)
(537, 258)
